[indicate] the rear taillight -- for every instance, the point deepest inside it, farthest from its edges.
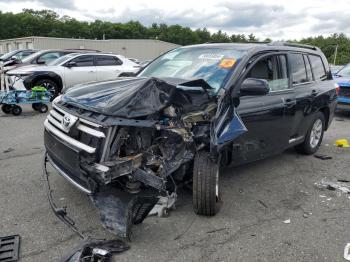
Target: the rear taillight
(337, 88)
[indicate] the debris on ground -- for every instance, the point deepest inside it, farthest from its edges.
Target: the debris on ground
(10, 149)
(346, 252)
(342, 143)
(286, 221)
(9, 248)
(322, 157)
(164, 204)
(95, 251)
(334, 185)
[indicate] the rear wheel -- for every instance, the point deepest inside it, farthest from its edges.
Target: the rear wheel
(6, 108)
(206, 194)
(50, 86)
(16, 110)
(314, 136)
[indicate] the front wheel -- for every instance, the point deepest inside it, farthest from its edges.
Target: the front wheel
(314, 136)
(50, 86)
(206, 195)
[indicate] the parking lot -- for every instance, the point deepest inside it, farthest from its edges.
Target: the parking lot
(252, 225)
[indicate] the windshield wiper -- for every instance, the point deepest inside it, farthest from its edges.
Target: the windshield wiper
(200, 82)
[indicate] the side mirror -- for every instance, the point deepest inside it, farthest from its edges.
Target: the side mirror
(40, 62)
(71, 64)
(254, 87)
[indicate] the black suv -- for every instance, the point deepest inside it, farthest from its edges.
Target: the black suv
(129, 143)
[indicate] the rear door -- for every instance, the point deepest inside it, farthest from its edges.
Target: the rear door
(83, 71)
(108, 67)
(268, 118)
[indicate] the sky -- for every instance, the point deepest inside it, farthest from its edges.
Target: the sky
(276, 19)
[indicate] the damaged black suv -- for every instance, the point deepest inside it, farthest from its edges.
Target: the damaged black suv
(131, 142)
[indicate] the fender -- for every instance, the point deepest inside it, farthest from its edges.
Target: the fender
(35, 76)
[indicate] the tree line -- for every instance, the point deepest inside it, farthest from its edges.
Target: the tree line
(48, 23)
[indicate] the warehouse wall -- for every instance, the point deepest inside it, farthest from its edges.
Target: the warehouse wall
(142, 49)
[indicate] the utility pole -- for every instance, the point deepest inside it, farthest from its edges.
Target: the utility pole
(335, 54)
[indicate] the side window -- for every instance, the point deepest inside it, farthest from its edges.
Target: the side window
(298, 69)
(308, 69)
(48, 57)
(85, 60)
(274, 70)
(318, 67)
(105, 60)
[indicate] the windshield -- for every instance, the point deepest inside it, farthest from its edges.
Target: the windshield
(345, 71)
(8, 55)
(213, 65)
(29, 58)
(58, 61)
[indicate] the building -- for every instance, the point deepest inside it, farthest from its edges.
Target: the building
(142, 49)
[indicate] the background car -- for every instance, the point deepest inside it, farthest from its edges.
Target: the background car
(16, 55)
(342, 78)
(71, 70)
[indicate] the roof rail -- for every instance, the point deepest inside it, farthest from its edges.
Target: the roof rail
(293, 45)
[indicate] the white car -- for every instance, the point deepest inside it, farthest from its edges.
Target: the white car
(70, 70)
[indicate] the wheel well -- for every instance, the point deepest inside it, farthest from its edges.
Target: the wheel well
(326, 113)
(59, 85)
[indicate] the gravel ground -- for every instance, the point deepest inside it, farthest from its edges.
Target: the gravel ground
(259, 199)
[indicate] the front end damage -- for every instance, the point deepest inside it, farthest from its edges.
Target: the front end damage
(129, 143)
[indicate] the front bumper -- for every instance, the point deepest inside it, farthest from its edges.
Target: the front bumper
(65, 159)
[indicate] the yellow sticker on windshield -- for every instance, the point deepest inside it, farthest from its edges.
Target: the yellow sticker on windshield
(227, 63)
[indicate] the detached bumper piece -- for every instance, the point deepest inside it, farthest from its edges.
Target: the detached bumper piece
(9, 248)
(118, 214)
(118, 210)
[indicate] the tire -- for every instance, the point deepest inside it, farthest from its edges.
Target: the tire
(206, 194)
(50, 85)
(16, 110)
(314, 136)
(43, 108)
(36, 106)
(6, 108)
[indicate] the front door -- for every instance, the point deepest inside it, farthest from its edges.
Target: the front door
(268, 118)
(83, 71)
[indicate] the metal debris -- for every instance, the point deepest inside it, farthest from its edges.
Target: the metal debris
(286, 221)
(333, 185)
(346, 252)
(322, 157)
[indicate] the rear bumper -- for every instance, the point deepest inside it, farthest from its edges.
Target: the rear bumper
(343, 103)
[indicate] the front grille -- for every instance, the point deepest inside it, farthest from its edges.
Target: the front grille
(344, 91)
(83, 134)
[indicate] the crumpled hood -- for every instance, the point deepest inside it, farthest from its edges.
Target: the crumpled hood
(126, 98)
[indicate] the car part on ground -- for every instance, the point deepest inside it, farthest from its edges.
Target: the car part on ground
(9, 248)
(93, 250)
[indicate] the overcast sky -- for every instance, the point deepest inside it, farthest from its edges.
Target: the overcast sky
(277, 19)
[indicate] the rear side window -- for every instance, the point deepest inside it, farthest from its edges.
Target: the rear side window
(104, 60)
(308, 69)
(298, 69)
(85, 60)
(318, 67)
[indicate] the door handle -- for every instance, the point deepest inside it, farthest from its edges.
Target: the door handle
(290, 103)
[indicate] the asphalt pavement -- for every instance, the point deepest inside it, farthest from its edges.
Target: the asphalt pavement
(272, 209)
